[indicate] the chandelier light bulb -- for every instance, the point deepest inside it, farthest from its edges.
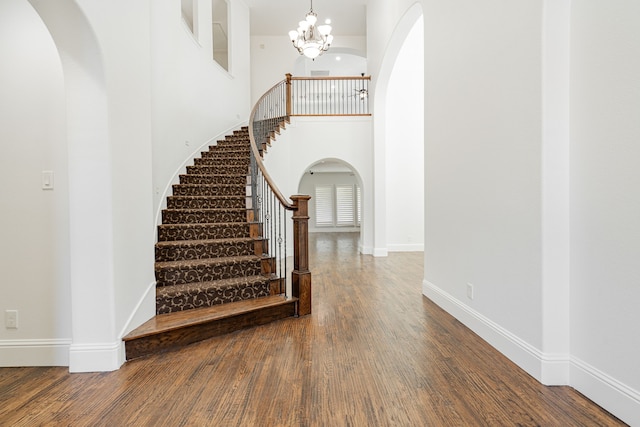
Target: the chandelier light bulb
(311, 18)
(309, 40)
(324, 29)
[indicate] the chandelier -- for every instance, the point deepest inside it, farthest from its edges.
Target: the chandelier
(309, 40)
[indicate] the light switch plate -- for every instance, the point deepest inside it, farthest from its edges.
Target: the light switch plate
(47, 180)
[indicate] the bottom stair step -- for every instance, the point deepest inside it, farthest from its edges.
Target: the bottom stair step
(173, 330)
(196, 295)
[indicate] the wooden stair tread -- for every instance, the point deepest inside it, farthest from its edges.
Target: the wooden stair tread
(173, 321)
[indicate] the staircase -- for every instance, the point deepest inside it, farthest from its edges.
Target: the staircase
(213, 271)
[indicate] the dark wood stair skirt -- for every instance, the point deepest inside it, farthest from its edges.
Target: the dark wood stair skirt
(173, 330)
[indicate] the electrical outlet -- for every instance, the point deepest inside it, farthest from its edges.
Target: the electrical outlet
(469, 291)
(11, 319)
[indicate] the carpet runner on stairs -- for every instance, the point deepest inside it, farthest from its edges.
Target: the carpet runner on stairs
(209, 251)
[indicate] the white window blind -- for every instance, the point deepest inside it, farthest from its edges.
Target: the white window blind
(345, 214)
(358, 205)
(324, 205)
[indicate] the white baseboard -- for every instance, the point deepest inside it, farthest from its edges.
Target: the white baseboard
(549, 369)
(413, 247)
(21, 353)
(517, 350)
(380, 252)
(614, 396)
(96, 357)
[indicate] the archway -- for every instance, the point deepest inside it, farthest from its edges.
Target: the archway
(110, 206)
(337, 197)
(382, 125)
(91, 252)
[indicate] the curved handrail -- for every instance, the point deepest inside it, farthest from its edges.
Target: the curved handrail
(256, 153)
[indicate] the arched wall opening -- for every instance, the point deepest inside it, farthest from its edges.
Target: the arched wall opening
(34, 231)
(337, 196)
(388, 171)
(108, 130)
(89, 174)
(404, 160)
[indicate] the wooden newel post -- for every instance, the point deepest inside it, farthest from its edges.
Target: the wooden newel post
(288, 75)
(301, 276)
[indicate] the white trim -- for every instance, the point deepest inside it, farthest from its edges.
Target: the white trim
(406, 247)
(550, 369)
(38, 352)
(97, 357)
(555, 369)
(606, 391)
(513, 347)
(380, 252)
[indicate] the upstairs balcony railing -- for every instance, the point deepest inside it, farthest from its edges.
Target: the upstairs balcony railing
(328, 96)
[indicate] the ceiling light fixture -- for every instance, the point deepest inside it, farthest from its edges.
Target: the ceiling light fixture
(309, 40)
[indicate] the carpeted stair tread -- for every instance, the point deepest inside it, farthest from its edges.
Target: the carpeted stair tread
(209, 189)
(193, 287)
(203, 241)
(207, 202)
(171, 273)
(202, 249)
(238, 149)
(227, 150)
(203, 231)
(206, 262)
(213, 179)
(217, 169)
(200, 216)
(220, 159)
(191, 296)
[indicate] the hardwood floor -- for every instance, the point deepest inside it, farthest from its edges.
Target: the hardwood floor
(374, 352)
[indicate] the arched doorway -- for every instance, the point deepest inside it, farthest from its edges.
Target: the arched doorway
(336, 204)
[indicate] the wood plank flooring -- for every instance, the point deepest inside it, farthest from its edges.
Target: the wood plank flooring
(374, 352)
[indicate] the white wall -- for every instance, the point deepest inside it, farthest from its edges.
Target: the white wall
(483, 161)
(34, 231)
(605, 204)
(309, 140)
(194, 98)
(405, 147)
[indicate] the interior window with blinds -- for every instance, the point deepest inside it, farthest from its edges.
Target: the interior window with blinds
(337, 205)
(358, 205)
(344, 205)
(324, 205)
